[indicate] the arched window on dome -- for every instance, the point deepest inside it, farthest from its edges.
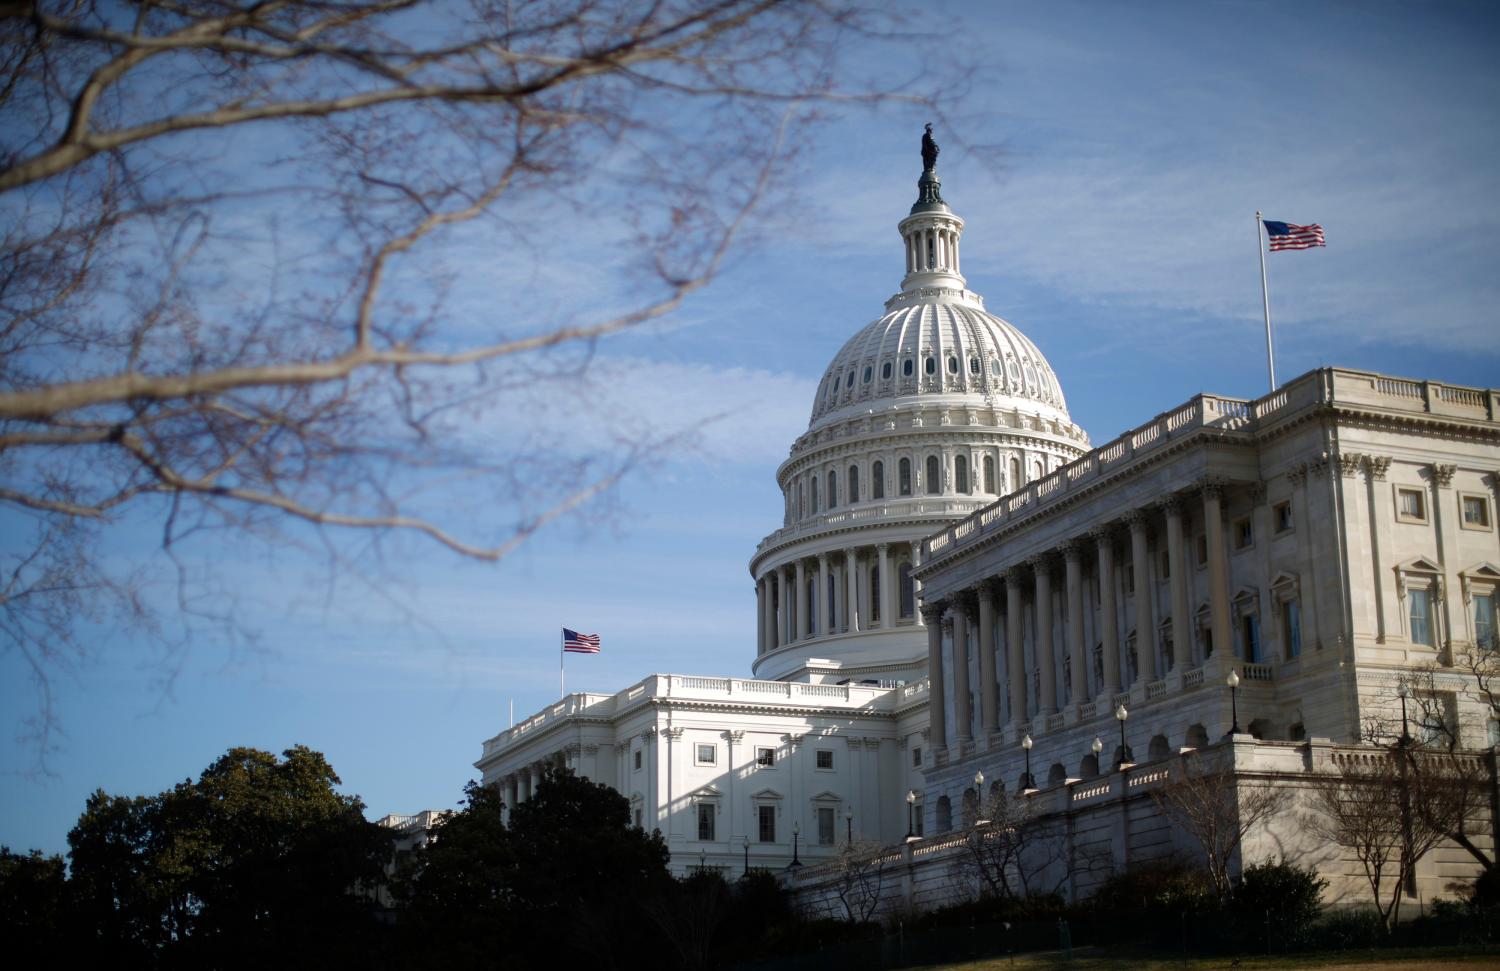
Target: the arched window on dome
(1014, 370)
(885, 371)
(833, 489)
(952, 364)
(903, 476)
(869, 373)
(931, 253)
(908, 592)
(989, 474)
(1037, 471)
(850, 382)
(812, 605)
(813, 505)
(1015, 475)
(831, 614)
(995, 366)
(853, 484)
(934, 476)
(907, 366)
(974, 365)
(875, 592)
(960, 474)
(877, 480)
(930, 366)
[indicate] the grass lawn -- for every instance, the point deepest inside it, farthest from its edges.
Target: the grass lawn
(1101, 959)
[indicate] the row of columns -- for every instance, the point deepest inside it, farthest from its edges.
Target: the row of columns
(977, 605)
(783, 617)
(941, 242)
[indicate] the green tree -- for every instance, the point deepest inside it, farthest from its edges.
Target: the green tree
(258, 862)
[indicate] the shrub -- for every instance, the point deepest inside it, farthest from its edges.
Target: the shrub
(1276, 905)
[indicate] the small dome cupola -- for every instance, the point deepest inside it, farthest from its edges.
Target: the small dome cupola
(931, 232)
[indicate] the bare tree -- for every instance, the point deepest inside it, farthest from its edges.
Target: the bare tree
(1013, 849)
(859, 876)
(1360, 807)
(233, 241)
(1217, 807)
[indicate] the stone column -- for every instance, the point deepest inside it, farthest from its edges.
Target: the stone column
(1444, 528)
(1109, 614)
(827, 619)
(773, 630)
(851, 597)
(1073, 558)
(988, 704)
(963, 711)
(888, 603)
(1182, 621)
(1218, 572)
(760, 616)
(1045, 659)
(1145, 615)
(916, 588)
(803, 627)
(937, 726)
(1015, 649)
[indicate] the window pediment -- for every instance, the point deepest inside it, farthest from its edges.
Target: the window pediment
(826, 796)
(1286, 586)
(767, 794)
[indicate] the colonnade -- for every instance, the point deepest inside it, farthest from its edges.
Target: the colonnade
(785, 614)
(933, 248)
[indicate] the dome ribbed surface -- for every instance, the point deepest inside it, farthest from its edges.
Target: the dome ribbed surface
(971, 352)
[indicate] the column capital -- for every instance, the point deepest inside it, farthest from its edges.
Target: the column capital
(1212, 487)
(1297, 474)
(671, 734)
(934, 610)
(1072, 549)
(1103, 535)
(968, 601)
(1258, 491)
(734, 736)
(591, 749)
(990, 587)
(1376, 467)
(1442, 473)
(822, 560)
(649, 733)
(1350, 463)
(1015, 576)
(882, 548)
(1170, 505)
(1137, 520)
(1042, 562)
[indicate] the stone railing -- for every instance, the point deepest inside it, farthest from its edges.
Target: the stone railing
(878, 511)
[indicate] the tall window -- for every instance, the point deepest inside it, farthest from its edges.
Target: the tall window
(1015, 475)
(833, 489)
(1484, 621)
(908, 592)
(814, 508)
(1419, 605)
(1250, 637)
(934, 478)
(812, 603)
(961, 473)
(989, 474)
(903, 477)
(853, 484)
(832, 602)
(825, 825)
(766, 817)
(877, 480)
(1410, 505)
(1291, 628)
(875, 593)
(705, 821)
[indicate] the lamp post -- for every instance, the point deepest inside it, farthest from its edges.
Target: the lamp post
(849, 825)
(746, 841)
(1234, 682)
(911, 801)
(796, 842)
(1120, 715)
(703, 861)
(1098, 747)
(979, 798)
(1026, 744)
(1401, 692)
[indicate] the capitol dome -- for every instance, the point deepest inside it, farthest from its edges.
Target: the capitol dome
(926, 415)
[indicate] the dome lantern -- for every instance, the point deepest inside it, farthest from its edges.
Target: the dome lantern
(931, 232)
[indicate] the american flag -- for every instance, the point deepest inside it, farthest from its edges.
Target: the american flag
(580, 643)
(1291, 236)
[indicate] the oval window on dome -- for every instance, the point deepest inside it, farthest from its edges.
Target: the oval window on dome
(885, 371)
(973, 365)
(995, 366)
(952, 365)
(850, 382)
(907, 367)
(869, 373)
(1015, 371)
(931, 365)
(1030, 376)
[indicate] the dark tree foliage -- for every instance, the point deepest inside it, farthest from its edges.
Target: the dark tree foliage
(258, 863)
(569, 882)
(33, 904)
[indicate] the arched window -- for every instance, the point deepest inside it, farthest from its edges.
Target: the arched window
(833, 489)
(989, 474)
(814, 496)
(973, 365)
(853, 484)
(875, 592)
(850, 382)
(906, 367)
(798, 487)
(944, 821)
(1089, 769)
(812, 605)
(1036, 470)
(971, 807)
(885, 371)
(1197, 736)
(952, 365)
(934, 478)
(1158, 748)
(903, 474)
(995, 366)
(833, 621)
(931, 366)
(877, 480)
(869, 373)
(1015, 474)
(908, 592)
(1057, 775)
(961, 473)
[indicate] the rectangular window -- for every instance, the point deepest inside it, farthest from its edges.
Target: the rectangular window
(706, 754)
(1206, 638)
(1476, 512)
(1484, 621)
(825, 826)
(916, 757)
(824, 758)
(1291, 628)
(705, 821)
(638, 759)
(1166, 648)
(1283, 515)
(765, 757)
(917, 813)
(1250, 632)
(1201, 548)
(767, 818)
(1166, 565)
(1419, 606)
(1410, 505)
(1244, 534)
(638, 819)
(1129, 578)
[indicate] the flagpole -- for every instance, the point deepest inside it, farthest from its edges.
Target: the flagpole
(562, 674)
(1265, 296)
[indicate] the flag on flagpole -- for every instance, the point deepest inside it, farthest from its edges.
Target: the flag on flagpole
(1291, 236)
(576, 643)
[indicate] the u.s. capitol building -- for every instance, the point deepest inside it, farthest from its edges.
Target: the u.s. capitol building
(961, 587)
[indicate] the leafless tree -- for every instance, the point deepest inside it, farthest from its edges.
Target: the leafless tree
(1012, 850)
(1359, 807)
(1217, 808)
(233, 237)
(859, 876)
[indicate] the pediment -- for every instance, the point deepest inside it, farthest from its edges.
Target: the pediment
(1420, 564)
(826, 796)
(766, 794)
(1482, 571)
(709, 791)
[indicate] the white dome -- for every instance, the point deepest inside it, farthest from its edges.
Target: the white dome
(936, 348)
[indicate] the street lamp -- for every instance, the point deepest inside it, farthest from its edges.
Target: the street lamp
(703, 861)
(1026, 744)
(1098, 747)
(796, 842)
(911, 801)
(1234, 682)
(746, 841)
(1402, 692)
(979, 798)
(1120, 715)
(849, 824)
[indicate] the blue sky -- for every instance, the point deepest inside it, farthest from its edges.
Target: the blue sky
(1110, 217)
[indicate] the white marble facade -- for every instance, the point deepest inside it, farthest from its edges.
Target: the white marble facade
(1316, 541)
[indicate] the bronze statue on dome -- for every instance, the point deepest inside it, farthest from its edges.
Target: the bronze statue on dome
(929, 149)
